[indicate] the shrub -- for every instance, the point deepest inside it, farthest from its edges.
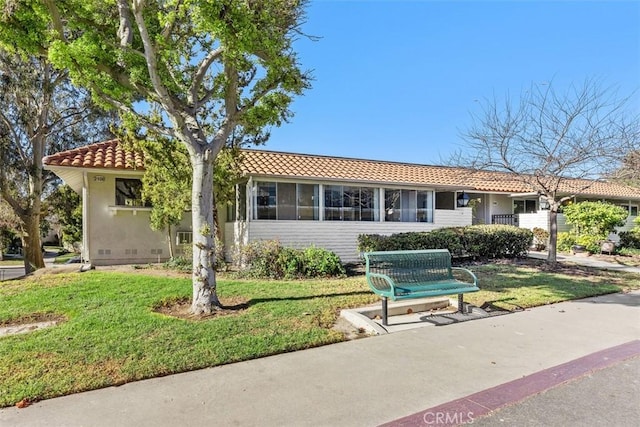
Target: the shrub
(595, 218)
(269, 259)
(590, 242)
(492, 241)
(497, 241)
(565, 241)
(180, 263)
(319, 262)
(630, 239)
(540, 237)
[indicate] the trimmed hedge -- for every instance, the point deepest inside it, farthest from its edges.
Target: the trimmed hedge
(487, 241)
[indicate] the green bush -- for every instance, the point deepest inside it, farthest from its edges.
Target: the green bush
(491, 241)
(565, 241)
(180, 263)
(630, 239)
(540, 237)
(319, 262)
(269, 259)
(590, 242)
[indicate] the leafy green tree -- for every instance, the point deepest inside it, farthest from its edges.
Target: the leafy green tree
(41, 113)
(593, 221)
(66, 205)
(206, 73)
(166, 183)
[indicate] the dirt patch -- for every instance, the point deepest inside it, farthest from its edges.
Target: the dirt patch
(30, 323)
(349, 331)
(181, 308)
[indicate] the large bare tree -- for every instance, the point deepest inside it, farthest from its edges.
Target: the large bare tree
(41, 113)
(554, 142)
(202, 72)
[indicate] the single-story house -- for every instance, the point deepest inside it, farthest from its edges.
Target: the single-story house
(304, 199)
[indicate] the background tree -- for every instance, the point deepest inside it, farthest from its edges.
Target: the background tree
(553, 142)
(629, 172)
(66, 205)
(206, 71)
(9, 226)
(41, 112)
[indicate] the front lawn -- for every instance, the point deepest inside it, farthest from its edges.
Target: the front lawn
(111, 334)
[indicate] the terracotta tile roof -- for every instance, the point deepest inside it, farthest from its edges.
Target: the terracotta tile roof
(290, 165)
(103, 155)
(261, 163)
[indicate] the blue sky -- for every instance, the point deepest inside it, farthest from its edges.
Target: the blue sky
(398, 80)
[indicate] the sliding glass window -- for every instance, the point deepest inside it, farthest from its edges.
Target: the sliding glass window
(347, 203)
(408, 205)
(286, 201)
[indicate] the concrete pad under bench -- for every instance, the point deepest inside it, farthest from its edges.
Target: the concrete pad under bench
(409, 314)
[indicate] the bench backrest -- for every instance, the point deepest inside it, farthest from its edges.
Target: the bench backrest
(433, 265)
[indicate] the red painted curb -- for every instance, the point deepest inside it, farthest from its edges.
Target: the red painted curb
(465, 410)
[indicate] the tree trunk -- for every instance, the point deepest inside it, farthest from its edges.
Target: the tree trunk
(205, 299)
(171, 251)
(553, 235)
(31, 244)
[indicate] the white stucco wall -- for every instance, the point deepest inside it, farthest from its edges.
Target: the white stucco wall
(337, 236)
(499, 204)
(121, 235)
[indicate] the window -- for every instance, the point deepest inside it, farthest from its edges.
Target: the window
(129, 193)
(308, 202)
(286, 201)
(425, 206)
(346, 203)
(184, 238)
(632, 209)
(524, 206)
(266, 200)
(392, 205)
(408, 205)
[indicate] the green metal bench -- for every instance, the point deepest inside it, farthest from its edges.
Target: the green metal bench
(398, 275)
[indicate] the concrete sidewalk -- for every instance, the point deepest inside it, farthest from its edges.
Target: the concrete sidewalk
(366, 382)
(587, 261)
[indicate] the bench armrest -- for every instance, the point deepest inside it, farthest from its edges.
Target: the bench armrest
(387, 279)
(468, 272)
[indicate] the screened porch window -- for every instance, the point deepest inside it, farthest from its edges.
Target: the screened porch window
(286, 201)
(408, 205)
(347, 203)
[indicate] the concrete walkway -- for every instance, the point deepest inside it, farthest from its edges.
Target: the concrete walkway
(587, 261)
(397, 378)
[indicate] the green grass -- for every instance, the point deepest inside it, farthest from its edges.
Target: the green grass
(511, 287)
(11, 262)
(62, 259)
(112, 335)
